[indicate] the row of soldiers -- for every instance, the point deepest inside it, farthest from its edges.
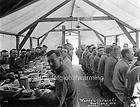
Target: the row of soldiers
(118, 68)
(12, 62)
(59, 61)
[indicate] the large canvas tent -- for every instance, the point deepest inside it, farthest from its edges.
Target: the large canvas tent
(28, 23)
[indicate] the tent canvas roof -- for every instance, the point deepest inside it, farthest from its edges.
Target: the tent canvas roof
(125, 10)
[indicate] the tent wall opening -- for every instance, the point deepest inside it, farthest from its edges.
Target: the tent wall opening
(73, 39)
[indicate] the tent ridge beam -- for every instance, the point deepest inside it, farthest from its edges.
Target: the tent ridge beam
(60, 30)
(126, 33)
(46, 34)
(44, 16)
(97, 18)
(108, 14)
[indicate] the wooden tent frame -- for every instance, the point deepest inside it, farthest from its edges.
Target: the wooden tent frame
(44, 19)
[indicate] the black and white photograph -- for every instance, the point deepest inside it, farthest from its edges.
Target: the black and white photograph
(69, 53)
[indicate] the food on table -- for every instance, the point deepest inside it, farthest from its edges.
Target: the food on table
(27, 93)
(8, 91)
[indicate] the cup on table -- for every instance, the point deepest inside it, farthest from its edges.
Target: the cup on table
(24, 82)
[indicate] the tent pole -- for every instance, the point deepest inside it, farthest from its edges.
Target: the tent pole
(31, 42)
(79, 38)
(38, 42)
(97, 18)
(17, 42)
(116, 39)
(105, 40)
(63, 34)
(137, 39)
